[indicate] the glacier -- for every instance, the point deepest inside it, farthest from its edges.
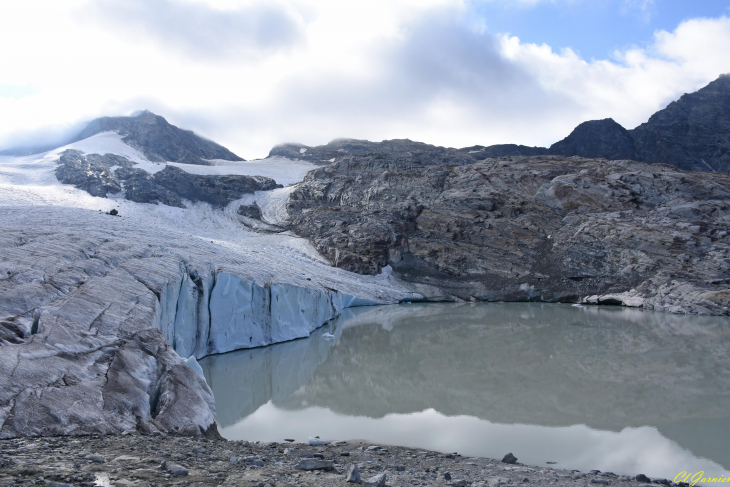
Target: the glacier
(97, 311)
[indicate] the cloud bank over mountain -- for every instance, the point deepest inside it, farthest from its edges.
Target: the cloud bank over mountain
(251, 74)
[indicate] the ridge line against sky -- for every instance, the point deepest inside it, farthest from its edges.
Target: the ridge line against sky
(250, 74)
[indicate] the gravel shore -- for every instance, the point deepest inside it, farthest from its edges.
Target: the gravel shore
(137, 460)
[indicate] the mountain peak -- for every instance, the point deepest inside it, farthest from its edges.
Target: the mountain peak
(597, 139)
(692, 132)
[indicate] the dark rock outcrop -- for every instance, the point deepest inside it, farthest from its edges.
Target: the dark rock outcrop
(692, 133)
(539, 228)
(100, 175)
(152, 135)
(604, 139)
(250, 211)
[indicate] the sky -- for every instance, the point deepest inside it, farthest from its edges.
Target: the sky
(250, 74)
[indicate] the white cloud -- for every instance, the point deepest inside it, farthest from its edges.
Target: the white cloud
(368, 69)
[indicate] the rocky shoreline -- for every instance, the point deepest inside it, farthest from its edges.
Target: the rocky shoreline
(152, 460)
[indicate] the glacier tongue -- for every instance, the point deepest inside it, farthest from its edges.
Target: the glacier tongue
(113, 303)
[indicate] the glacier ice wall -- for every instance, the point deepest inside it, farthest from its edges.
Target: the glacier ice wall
(217, 311)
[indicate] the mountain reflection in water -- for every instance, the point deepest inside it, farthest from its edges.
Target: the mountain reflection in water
(589, 387)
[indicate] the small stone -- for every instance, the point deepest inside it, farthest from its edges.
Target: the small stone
(95, 458)
(234, 460)
(176, 469)
(447, 475)
(397, 468)
(577, 475)
(509, 458)
(287, 451)
(353, 475)
(374, 448)
(599, 481)
(345, 454)
(315, 464)
(498, 481)
(318, 455)
(643, 478)
(377, 481)
(459, 483)
(258, 463)
(525, 480)
(290, 440)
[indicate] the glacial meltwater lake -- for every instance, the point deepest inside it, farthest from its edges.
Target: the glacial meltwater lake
(586, 387)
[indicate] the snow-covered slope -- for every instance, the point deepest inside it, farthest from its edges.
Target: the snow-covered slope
(78, 285)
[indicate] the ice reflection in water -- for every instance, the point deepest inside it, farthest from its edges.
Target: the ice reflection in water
(587, 387)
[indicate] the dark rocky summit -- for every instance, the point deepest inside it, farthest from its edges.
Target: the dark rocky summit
(604, 139)
(151, 134)
(544, 228)
(158, 140)
(100, 175)
(692, 133)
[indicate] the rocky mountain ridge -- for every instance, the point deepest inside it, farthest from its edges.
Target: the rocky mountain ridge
(692, 133)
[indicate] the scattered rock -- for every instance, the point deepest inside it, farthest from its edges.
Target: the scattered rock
(353, 474)
(643, 478)
(376, 481)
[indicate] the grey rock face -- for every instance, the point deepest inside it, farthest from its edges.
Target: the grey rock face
(100, 175)
(539, 228)
(91, 173)
(597, 139)
(691, 133)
